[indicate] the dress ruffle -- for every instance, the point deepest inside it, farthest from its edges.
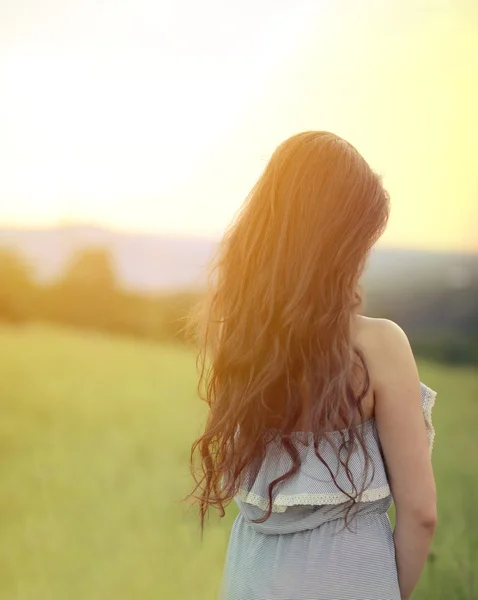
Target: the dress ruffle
(313, 484)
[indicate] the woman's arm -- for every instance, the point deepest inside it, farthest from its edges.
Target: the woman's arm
(402, 431)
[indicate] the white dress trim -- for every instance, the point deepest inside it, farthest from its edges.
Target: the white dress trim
(282, 502)
(428, 404)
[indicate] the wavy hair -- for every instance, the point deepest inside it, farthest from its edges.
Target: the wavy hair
(274, 326)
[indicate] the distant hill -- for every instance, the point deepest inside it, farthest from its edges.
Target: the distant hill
(148, 263)
(143, 262)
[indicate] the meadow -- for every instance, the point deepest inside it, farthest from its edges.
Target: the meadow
(94, 446)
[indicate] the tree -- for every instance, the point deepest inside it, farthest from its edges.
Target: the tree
(16, 287)
(86, 293)
(90, 269)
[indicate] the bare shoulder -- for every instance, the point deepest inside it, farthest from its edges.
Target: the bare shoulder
(384, 344)
(378, 332)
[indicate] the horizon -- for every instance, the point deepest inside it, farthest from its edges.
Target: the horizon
(35, 228)
(142, 121)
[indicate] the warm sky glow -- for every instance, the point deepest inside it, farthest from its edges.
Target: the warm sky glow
(159, 116)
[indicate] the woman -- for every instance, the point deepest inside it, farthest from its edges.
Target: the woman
(317, 417)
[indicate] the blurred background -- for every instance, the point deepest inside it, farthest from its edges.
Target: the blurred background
(130, 134)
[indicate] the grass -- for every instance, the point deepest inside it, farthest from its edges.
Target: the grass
(94, 446)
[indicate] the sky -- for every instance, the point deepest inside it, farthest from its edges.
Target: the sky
(159, 116)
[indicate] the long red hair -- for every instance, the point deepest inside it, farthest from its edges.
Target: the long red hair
(273, 328)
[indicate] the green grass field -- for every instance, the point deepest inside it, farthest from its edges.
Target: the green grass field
(94, 438)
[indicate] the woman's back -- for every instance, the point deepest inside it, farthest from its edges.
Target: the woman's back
(305, 549)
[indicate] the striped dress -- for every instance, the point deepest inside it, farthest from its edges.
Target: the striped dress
(304, 551)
